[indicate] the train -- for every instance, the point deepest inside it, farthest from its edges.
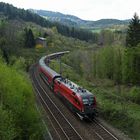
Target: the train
(79, 100)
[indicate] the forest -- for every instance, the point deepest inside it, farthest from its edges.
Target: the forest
(107, 63)
(12, 12)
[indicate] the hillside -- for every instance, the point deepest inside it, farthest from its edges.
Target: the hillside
(59, 17)
(10, 12)
(19, 118)
(71, 20)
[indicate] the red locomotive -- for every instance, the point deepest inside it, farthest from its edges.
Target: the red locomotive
(80, 100)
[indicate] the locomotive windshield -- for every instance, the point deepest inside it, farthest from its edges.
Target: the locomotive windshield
(88, 101)
(85, 101)
(91, 100)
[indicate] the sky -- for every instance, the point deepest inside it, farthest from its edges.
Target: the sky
(85, 9)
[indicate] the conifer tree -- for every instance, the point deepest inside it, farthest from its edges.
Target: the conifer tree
(133, 32)
(29, 38)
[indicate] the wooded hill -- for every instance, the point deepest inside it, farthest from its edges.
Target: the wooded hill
(12, 12)
(71, 20)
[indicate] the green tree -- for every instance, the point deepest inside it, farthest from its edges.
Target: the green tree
(133, 32)
(7, 126)
(29, 38)
(131, 62)
(18, 116)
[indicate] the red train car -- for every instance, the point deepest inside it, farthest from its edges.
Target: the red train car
(80, 100)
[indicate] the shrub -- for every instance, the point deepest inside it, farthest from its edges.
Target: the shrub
(18, 114)
(7, 126)
(134, 94)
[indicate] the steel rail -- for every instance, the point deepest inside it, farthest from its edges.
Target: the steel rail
(63, 129)
(113, 137)
(31, 77)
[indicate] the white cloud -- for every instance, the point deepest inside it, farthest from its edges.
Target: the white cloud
(86, 9)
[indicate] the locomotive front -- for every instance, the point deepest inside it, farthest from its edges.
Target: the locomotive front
(88, 102)
(89, 105)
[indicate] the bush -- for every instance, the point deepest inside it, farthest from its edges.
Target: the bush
(7, 126)
(134, 94)
(18, 114)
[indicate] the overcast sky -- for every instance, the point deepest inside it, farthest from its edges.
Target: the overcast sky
(85, 9)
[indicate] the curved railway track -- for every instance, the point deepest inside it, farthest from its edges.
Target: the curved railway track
(63, 126)
(69, 132)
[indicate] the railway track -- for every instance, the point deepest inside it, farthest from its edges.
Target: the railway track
(67, 130)
(102, 132)
(63, 125)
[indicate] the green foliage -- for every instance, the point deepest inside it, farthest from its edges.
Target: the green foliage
(9, 39)
(71, 20)
(105, 63)
(106, 37)
(131, 66)
(20, 64)
(7, 126)
(134, 94)
(111, 62)
(57, 42)
(133, 33)
(14, 13)
(76, 64)
(118, 109)
(29, 38)
(18, 106)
